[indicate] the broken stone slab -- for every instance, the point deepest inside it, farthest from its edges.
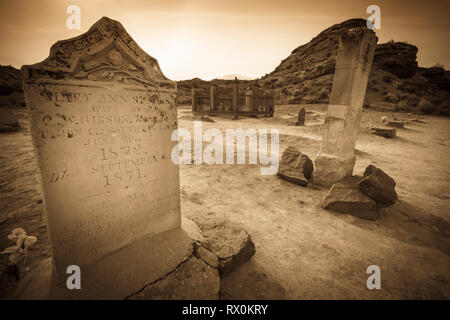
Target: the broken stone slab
(384, 132)
(192, 280)
(295, 167)
(192, 274)
(396, 123)
(228, 240)
(345, 197)
(158, 255)
(379, 186)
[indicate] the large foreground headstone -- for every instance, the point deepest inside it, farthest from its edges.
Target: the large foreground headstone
(336, 157)
(102, 115)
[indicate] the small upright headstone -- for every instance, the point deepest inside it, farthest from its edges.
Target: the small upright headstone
(301, 117)
(102, 115)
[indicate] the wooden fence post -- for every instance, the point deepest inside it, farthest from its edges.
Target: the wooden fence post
(194, 100)
(255, 97)
(212, 104)
(236, 99)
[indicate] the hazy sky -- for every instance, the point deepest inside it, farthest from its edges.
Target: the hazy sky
(212, 38)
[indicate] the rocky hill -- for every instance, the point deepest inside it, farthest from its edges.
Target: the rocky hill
(11, 92)
(396, 81)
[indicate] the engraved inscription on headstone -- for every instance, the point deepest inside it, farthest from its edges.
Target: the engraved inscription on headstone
(102, 114)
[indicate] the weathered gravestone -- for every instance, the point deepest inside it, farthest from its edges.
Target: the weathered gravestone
(301, 117)
(336, 157)
(102, 114)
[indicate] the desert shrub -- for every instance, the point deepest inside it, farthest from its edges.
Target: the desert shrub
(298, 92)
(402, 105)
(4, 101)
(391, 97)
(409, 87)
(387, 78)
(17, 99)
(426, 106)
(296, 100)
(436, 100)
(413, 101)
(323, 94)
(444, 108)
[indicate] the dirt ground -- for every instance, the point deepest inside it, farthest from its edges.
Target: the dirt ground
(302, 251)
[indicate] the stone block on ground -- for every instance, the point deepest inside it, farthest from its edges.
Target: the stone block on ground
(384, 132)
(396, 123)
(345, 197)
(295, 167)
(228, 240)
(377, 185)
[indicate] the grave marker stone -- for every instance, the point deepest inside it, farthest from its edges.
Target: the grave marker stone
(336, 157)
(301, 117)
(102, 115)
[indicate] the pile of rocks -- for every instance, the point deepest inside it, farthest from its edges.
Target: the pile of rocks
(362, 196)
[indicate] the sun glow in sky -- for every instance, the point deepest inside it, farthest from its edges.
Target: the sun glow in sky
(212, 38)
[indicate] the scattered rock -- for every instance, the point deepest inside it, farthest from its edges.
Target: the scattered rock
(295, 167)
(345, 197)
(228, 240)
(192, 230)
(378, 186)
(193, 280)
(210, 258)
(206, 118)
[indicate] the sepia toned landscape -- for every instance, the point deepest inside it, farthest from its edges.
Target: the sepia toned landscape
(89, 175)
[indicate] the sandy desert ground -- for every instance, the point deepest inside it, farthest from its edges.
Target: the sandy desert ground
(302, 251)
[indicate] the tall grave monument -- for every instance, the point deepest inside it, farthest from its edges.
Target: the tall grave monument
(336, 157)
(102, 114)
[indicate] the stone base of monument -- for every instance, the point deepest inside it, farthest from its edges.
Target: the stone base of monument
(330, 169)
(184, 263)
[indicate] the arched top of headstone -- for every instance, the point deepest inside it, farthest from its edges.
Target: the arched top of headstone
(106, 52)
